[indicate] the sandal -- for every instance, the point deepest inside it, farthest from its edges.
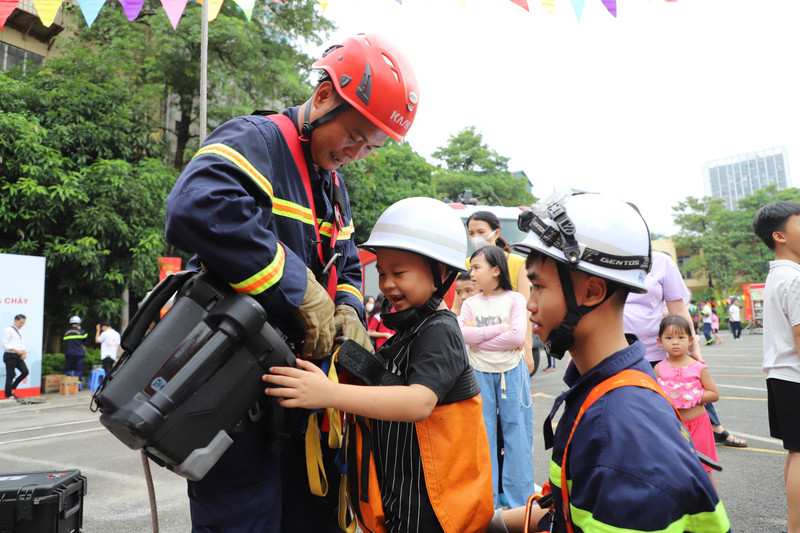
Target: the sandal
(725, 438)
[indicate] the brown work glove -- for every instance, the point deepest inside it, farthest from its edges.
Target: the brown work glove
(315, 314)
(349, 325)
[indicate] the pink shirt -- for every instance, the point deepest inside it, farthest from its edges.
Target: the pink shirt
(681, 385)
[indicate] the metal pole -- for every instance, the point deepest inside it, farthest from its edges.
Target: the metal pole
(203, 70)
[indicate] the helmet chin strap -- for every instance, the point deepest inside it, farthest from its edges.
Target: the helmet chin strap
(402, 320)
(561, 339)
(308, 127)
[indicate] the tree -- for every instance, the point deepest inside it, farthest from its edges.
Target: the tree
(251, 65)
(82, 184)
(722, 242)
(389, 174)
(470, 164)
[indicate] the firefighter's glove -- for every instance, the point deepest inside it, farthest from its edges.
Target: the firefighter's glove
(349, 325)
(315, 315)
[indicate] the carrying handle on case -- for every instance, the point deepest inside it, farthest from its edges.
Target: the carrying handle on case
(66, 513)
(159, 296)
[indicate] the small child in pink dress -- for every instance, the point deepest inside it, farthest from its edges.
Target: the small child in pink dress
(687, 383)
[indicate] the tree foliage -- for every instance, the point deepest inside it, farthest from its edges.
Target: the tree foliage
(389, 174)
(82, 183)
(251, 65)
(722, 242)
(470, 164)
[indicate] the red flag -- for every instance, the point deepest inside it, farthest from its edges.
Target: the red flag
(522, 3)
(6, 8)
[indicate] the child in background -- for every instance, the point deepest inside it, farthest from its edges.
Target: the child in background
(715, 326)
(375, 327)
(688, 384)
(493, 324)
(464, 289)
(428, 451)
(778, 225)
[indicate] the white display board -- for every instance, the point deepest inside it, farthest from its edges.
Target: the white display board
(22, 293)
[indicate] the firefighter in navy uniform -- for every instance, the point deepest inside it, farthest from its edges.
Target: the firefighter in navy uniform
(262, 207)
(74, 347)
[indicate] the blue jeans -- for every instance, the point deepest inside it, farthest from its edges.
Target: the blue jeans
(516, 420)
(707, 332)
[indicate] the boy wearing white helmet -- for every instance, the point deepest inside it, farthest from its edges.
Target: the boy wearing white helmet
(431, 455)
(621, 458)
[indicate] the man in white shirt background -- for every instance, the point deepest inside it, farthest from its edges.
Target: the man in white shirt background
(14, 356)
(109, 340)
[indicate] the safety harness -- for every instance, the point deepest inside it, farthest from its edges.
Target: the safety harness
(626, 378)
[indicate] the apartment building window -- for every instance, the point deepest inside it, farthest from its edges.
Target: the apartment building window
(682, 260)
(12, 56)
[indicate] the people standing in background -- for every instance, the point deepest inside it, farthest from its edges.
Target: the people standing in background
(14, 355)
(108, 339)
(74, 347)
(493, 324)
(778, 225)
(465, 288)
(715, 326)
(735, 319)
(707, 328)
(643, 314)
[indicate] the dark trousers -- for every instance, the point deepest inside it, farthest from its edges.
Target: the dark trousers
(73, 365)
(108, 363)
(736, 328)
(707, 332)
(13, 363)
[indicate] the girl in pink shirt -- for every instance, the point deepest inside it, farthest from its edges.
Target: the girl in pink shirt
(687, 383)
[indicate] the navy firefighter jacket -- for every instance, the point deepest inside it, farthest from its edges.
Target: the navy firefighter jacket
(74, 340)
(632, 465)
(241, 206)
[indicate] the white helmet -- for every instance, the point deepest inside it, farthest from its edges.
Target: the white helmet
(75, 320)
(425, 226)
(595, 233)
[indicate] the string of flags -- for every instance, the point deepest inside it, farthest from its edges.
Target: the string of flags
(47, 9)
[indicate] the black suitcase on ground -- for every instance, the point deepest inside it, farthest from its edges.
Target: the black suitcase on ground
(178, 391)
(42, 502)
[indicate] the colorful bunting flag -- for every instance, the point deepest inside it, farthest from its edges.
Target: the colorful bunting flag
(6, 8)
(577, 6)
(174, 9)
(131, 8)
(90, 9)
(213, 8)
(548, 5)
(522, 3)
(247, 7)
(47, 10)
(323, 4)
(611, 5)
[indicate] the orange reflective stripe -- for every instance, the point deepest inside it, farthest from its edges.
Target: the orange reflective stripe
(292, 210)
(240, 161)
(266, 278)
(352, 290)
(326, 228)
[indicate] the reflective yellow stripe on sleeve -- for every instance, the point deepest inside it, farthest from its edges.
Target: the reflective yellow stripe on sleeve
(266, 278)
(279, 206)
(326, 228)
(352, 290)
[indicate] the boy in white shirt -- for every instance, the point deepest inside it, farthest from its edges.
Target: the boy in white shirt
(778, 225)
(109, 340)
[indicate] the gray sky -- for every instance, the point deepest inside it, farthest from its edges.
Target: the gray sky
(631, 106)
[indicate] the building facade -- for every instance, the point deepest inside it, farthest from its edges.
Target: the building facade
(25, 40)
(733, 178)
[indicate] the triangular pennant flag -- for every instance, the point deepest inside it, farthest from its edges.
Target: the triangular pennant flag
(174, 9)
(400, 2)
(611, 5)
(577, 6)
(522, 3)
(247, 7)
(47, 10)
(6, 8)
(131, 8)
(90, 9)
(548, 5)
(323, 4)
(213, 8)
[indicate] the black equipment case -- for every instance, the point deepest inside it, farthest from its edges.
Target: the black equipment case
(178, 391)
(42, 502)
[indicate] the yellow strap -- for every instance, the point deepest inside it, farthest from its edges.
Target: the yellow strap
(348, 527)
(334, 420)
(317, 481)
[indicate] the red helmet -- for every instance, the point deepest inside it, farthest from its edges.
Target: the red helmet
(374, 77)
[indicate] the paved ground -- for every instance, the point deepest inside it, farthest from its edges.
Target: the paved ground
(62, 433)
